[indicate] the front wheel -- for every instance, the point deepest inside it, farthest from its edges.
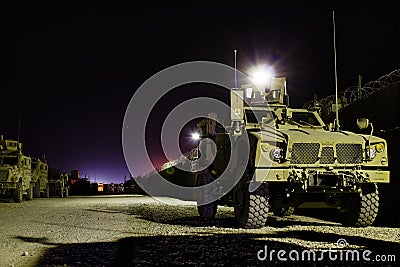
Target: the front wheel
(18, 194)
(251, 208)
(208, 210)
(362, 210)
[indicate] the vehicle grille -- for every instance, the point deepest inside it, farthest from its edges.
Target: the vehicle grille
(349, 153)
(305, 153)
(327, 155)
(3, 175)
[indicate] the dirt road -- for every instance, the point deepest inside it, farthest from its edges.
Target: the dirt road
(134, 230)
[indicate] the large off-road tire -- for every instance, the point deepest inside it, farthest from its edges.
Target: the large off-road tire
(36, 190)
(29, 193)
(46, 192)
(362, 210)
(283, 211)
(251, 208)
(18, 194)
(208, 210)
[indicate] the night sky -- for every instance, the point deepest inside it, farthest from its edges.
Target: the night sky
(69, 74)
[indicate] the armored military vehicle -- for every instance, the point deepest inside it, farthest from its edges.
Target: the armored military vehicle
(287, 158)
(15, 171)
(39, 180)
(58, 183)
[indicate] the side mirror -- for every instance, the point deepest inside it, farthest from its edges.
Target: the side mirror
(284, 114)
(286, 100)
(362, 123)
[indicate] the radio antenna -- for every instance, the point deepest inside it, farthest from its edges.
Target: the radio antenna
(337, 125)
(235, 51)
(19, 127)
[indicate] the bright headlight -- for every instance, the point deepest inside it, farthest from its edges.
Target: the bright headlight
(379, 147)
(277, 153)
(371, 153)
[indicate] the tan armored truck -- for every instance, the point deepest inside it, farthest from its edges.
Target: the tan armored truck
(15, 171)
(58, 183)
(284, 158)
(39, 180)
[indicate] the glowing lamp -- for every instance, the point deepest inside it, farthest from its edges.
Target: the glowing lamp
(195, 136)
(261, 76)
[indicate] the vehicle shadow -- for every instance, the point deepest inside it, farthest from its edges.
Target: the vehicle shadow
(203, 249)
(382, 220)
(6, 200)
(230, 222)
(188, 216)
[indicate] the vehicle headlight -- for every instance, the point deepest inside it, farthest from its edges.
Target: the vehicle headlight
(277, 153)
(371, 153)
(379, 147)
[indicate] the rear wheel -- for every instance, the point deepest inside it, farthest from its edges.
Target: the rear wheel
(18, 194)
(251, 208)
(208, 210)
(283, 211)
(36, 190)
(47, 192)
(29, 193)
(362, 210)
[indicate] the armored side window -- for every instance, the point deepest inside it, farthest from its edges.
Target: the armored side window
(273, 95)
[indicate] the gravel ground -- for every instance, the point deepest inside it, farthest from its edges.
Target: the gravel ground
(134, 230)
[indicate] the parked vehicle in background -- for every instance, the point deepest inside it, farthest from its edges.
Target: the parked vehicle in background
(58, 183)
(39, 180)
(15, 171)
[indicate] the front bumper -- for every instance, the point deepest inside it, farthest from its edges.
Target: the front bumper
(8, 185)
(313, 175)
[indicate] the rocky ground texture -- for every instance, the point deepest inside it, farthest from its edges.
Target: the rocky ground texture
(135, 230)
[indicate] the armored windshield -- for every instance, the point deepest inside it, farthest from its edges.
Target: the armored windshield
(255, 116)
(7, 160)
(305, 119)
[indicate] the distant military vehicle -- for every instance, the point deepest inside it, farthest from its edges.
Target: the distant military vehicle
(39, 180)
(15, 170)
(294, 160)
(58, 183)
